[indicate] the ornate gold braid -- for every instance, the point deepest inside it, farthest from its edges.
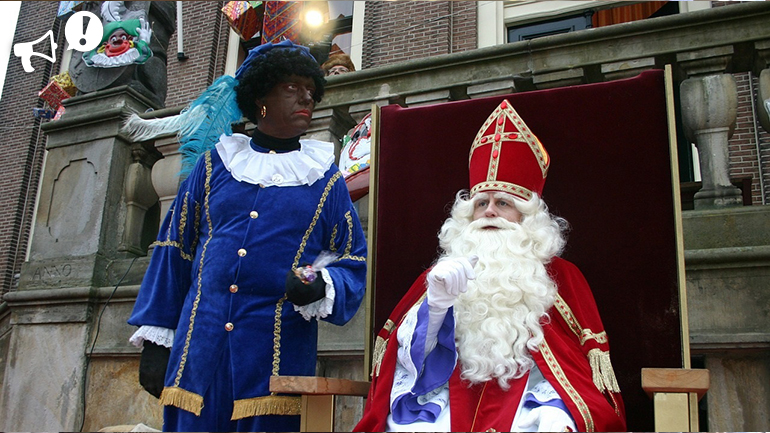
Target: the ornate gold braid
(277, 337)
(186, 349)
(332, 247)
(303, 244)
(583, 334)
(318, 210)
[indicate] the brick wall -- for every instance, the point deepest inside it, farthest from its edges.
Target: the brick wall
(398, 31)
(205, 34)
(23, 142)
(744, 160)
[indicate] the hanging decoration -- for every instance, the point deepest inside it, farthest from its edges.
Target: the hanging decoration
(282, 21)
(245, 17)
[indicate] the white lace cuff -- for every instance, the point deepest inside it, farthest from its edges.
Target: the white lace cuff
(322, 307)
(154, 334)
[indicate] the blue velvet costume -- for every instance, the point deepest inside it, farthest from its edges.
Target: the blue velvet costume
(217, 275)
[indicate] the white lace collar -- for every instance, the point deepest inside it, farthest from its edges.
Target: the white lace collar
(302, 167)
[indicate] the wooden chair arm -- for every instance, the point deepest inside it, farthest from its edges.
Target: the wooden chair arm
(677, 380)
(313, 385)
(317, 397)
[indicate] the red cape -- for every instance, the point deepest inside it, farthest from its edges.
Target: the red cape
(573, 358)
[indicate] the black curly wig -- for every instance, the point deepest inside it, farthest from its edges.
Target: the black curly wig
(271, 69)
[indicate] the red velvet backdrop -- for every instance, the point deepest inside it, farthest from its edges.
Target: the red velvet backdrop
(610, 177)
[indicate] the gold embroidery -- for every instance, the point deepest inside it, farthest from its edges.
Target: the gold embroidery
(503, 186)
(332, 247)
(354, 258)
(588, 335)
(379, 354)
(194, 311)
(569, 317)
(183, 217)
(524, 135)
(572, 393)
(389, 325)
(174, 244)
(196, 226)
(277, 336)
(318, 210)
(349, 245)
(183, 399)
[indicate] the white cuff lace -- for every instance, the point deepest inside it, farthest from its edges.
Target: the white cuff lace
(154, 334)
(322, 307)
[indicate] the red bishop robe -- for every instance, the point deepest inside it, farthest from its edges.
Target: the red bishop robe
(574, 358)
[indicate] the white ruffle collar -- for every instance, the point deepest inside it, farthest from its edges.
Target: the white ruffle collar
(302, 167)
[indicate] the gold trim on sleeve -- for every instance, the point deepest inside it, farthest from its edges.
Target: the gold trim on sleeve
(583, 334)
(572, 393)
(193, 313)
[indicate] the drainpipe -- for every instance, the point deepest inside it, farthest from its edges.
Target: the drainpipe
(179, 33)
(756, 137)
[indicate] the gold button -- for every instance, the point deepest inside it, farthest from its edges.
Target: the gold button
(234, 288)
(254, 214)
(242, 252)
(228, 326)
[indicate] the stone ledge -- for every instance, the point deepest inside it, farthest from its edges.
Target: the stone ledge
(708, 342)
(729, 257)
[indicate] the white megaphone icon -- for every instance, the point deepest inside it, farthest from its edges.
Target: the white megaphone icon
(24, 51)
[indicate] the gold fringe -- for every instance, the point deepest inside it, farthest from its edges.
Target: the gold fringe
(603, 374)
(183, 399)
(267, 405)
(379, 354)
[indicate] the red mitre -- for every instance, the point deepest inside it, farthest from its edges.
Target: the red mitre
(506, 156)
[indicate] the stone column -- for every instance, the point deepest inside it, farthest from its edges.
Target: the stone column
(165, 172)
(763, 92)
(80, 223)
(763, 111)
(709, 101)
(139, 197)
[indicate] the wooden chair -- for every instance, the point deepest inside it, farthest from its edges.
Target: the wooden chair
(614, 176)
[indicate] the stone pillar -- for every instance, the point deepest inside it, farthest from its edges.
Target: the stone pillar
(165, 172)
(763, 92)
(763, 113)
(709, 101)
(80, 223)
(139, 197)
(330, 124)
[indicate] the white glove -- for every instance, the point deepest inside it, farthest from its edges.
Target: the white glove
(144, 30)
(547, 418)
(448, 279)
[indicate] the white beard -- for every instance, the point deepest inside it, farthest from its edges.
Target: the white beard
(498, 320)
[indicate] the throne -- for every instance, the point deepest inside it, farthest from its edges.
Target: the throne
(613, 177)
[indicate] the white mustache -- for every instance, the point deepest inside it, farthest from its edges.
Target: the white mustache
(498, 222)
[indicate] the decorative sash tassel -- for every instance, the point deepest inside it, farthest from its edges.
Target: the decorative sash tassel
(603, 374)
(183, 399)
(267, 405)
(379, 354)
